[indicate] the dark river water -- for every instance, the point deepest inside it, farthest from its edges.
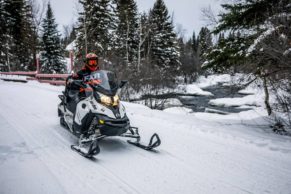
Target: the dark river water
(200, 103)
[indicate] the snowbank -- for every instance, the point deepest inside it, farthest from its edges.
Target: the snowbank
(195, 90)
(204, 82)
(247, 92)
(160, 103)
(250, 100)
(210, 110)
(257, 116)
(13, 77)
(224, 79)
(178, 110)
(172, 102)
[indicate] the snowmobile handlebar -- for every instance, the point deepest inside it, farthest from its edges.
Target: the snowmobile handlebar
(85, 84)
(80, 83)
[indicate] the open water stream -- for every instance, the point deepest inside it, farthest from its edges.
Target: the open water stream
(201, 103)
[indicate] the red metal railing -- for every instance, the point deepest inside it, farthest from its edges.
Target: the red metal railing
(55, 79)
(52, 75)
(52, 78)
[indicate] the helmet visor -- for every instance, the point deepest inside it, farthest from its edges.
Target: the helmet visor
(92, 62)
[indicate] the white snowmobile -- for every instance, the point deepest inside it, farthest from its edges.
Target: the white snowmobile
(97, 114)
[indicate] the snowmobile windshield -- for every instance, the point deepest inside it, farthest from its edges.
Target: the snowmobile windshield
(105, 82)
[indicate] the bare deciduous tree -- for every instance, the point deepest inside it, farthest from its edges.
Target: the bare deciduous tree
(209, 17)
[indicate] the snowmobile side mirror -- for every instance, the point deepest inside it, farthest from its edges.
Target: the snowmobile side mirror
(122, 83)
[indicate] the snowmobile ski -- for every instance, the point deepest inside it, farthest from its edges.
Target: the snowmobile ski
(154, 142)
(88, 153)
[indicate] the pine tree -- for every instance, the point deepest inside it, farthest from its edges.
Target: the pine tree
(164, 48)
(195, 44)
(221, 37)
(3, 31)
(255, 28)
(14, 17)
(69, 35)
(225, 54)
(52, 60)
(85, 42)
(94, 33)
(8, 35)
(127, 32)
(204, 43)
(16, 33)
(28, 47)
(188, 58)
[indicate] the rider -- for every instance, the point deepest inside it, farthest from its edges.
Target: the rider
(91, 65)
(74, 91)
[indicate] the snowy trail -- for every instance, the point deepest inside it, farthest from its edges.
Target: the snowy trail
(195, 156)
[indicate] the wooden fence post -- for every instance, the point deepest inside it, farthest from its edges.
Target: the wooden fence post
(37, 63)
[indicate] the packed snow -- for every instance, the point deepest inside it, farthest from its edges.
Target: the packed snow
(200, 152)
(178, 110)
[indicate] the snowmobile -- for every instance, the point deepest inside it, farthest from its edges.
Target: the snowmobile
(98, 113)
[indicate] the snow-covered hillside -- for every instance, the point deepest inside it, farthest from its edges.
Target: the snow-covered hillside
(200, 152)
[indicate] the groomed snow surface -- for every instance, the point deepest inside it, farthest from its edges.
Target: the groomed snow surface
(200, 152)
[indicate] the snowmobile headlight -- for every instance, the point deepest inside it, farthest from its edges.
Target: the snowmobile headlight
(106, 100)
(116, 100)
(101, 121)
(109, 101)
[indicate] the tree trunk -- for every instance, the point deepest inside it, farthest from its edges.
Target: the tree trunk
(267, 96)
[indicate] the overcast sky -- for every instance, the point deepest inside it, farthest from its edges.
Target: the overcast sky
(186, 12)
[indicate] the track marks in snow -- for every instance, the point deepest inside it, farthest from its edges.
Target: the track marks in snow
(219, 155)
(54, 151)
